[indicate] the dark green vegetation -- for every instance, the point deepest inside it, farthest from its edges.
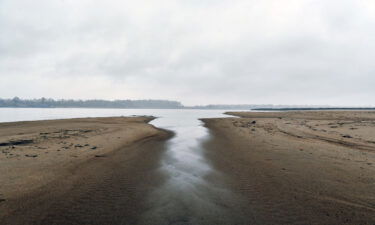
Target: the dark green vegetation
(121, 104)
(152, 104)
(51, 103)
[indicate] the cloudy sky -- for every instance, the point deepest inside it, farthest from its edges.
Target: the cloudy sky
(194, 51)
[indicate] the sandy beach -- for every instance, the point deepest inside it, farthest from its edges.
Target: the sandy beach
(310, 167)
(56, 171)
(305, 167)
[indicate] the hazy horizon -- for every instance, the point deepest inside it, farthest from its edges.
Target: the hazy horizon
(293, 52)
(146, 104)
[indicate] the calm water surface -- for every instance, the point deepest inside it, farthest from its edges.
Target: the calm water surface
(187, 196)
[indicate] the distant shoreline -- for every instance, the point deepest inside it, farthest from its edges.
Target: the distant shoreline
(49, 103)
(185, 108)
(309, 109)
(200, 108)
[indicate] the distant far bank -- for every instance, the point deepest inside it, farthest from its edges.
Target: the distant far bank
(116, 104)
(95, 103)
(154, 104)
(312, 108)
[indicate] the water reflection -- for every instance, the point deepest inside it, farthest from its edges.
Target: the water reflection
(187, 197)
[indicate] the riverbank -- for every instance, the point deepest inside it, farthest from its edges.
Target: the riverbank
(299, 167)
(56, 172)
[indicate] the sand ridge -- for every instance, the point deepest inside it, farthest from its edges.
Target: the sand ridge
(47, 161)
(299, 167)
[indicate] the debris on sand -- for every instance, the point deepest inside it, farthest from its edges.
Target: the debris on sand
(243, 124)
(94, 147)
(16, 142)
(31, 155)
(347, 136)
(6, 151)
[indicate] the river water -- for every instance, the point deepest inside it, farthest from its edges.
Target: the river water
(188, 196)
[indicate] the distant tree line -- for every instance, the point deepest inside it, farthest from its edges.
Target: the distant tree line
(143, 104)
(51, 103)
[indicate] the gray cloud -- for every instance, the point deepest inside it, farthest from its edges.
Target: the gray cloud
(199, 52)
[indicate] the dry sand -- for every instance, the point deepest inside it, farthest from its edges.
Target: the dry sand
(314, 167)
(77, 171)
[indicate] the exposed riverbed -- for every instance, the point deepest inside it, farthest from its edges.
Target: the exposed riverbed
(182, 187)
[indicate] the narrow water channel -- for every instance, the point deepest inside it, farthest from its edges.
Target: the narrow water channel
(188, 196)
(194, 192)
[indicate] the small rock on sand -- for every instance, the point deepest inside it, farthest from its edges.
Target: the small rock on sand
(31, 155)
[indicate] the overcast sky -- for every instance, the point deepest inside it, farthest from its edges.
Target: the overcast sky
(194, 51)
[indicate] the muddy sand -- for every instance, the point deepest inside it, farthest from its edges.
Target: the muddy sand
(77, 171)
(315, 167)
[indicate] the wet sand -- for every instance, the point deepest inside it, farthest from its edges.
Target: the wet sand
(315, 167)
(78, 171)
